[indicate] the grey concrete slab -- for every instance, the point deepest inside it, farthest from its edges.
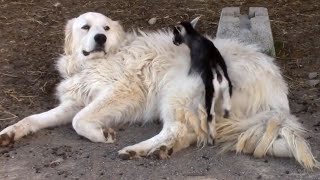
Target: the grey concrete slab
(250, 28)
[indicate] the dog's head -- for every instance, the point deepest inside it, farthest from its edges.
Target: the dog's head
(92, 35)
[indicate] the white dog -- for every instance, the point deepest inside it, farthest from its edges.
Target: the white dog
(113, 77)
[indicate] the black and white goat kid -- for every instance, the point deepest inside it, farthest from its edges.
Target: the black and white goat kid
(206, 61)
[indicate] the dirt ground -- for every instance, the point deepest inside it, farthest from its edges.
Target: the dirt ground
(31, 38)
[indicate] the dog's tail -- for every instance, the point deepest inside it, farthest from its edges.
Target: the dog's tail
(267, 133)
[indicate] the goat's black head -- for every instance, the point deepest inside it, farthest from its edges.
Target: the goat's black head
(182, 30)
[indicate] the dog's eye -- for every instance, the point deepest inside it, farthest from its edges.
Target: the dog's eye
(106, 28)
(85, 27)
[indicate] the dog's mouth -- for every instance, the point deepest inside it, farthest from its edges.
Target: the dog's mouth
(95, 50)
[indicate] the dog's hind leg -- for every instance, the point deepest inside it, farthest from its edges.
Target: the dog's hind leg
(160, 145)
(62, 114)
(175, 135)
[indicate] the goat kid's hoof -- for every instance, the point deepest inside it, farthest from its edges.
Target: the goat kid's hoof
(6, 139)
(226, 114)
(211, 141)
(162, 153)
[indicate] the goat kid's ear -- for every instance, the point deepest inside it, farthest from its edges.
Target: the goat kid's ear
(194, 21)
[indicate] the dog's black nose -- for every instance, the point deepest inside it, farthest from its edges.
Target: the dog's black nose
(100, 39)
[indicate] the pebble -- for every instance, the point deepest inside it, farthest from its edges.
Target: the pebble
(152, 21)
(313, 82)
(313, 75)
(57, 4)
(55, 163)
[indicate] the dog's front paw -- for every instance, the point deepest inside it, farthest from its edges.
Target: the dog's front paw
(7, 139)
(110, 135)
(127, 154)
(162, 153)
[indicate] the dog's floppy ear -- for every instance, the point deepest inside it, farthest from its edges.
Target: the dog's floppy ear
(117, 27)
(194, 21)
(68, 38)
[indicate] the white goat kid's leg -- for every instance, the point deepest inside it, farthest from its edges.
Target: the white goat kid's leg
(226, 99)
(216, 87)
(212, 124)
(57, 116)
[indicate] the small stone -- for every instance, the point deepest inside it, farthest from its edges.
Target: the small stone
(208, 168)
(55, 163)
(4, 151)
(317, 124)
(152, 21)
(37, 170)
(313, 82)
(205, 157)
(57, 4)
(312, 75)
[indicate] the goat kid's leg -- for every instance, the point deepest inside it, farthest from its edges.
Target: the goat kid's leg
(62, 114)
(226, 99)
(212, 124)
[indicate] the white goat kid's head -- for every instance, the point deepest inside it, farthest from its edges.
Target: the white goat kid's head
(92, 35)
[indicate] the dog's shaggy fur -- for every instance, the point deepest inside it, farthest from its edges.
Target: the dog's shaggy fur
(143, 76)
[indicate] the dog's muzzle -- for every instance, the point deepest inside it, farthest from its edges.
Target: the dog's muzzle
(100, 40)
(98, 48)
